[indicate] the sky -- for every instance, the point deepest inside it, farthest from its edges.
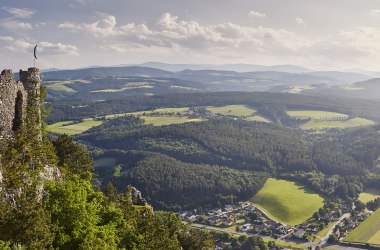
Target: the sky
(318, 34)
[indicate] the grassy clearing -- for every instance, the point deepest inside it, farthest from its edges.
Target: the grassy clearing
(233, 110)
(324, 231)
(122, 89)
(315, 114)
(355, 122)
(287, 201)
(166, 120)
(367, 232)
(71, 128)
(324, 120)
(369, 195)
(60, 86)
(257, 118)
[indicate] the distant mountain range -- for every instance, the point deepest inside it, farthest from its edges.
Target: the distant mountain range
(161, 78)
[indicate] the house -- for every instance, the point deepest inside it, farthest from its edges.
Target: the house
(213, 219)
(245, 227)
(259, 228)
(227, 222)
(299, 233)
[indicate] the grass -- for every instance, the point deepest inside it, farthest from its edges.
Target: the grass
(233, 110)
(324, 231)
(122, 89)
(71, 128)
(257, 118)
(369, 195)
(316, 114)
(287, 202)
(355, 122)
(367, 232)
(324, 120)
(60, 86)
(166, 120)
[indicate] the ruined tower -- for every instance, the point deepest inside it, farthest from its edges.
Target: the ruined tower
(16, 97)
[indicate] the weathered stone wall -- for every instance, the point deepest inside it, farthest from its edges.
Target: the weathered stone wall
(15, 96)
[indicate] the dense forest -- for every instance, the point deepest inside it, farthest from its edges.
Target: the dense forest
(271, 105)
(48, 201)
(337, 163)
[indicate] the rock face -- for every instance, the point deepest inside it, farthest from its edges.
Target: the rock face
(16, 97)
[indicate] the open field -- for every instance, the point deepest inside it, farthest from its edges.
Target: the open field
(122, 89)
(369, 195)
(233, 110)
(287, 201)
(367, 232)
(257, 118)
(166, 120)
(325, 120)
(315, 114)
(70, 128)
(59, 86)
(355, 122)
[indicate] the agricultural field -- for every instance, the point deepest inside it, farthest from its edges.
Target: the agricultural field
(287, 201)
(257, 118)
(167, 120)
(315, 114)
(324, 120)
(122, 89)
(71, 128)
(369, 195)
(59, 86)
(320, 125)
(367, 232)
(233, 110)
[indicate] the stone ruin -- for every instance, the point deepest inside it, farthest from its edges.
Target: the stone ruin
(16, 97)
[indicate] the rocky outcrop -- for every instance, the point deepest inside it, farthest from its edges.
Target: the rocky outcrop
(16, 97)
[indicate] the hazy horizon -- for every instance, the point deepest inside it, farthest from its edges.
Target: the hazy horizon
(320, 35)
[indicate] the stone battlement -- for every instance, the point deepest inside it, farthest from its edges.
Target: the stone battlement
(15, 97)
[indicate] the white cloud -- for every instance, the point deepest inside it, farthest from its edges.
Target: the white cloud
(301, 21)
(20, 46)
(82, 2)
(6, 38)
(20, 13)
(253, 13)
(171, 34)
(16, 26)
(46, 48)
(374, 12)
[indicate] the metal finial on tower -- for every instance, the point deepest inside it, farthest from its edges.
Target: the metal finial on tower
(35, 55)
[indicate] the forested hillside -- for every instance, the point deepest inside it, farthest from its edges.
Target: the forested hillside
(270, 105)
(48, 201)
(336, 157)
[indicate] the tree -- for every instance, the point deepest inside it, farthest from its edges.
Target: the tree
(73, 157)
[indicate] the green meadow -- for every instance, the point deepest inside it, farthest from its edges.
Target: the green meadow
(367, 232)
(233, 110)
(324, 120)
(71, 128)
(369, 195)
(287, 201)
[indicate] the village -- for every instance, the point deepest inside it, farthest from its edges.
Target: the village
(337, 220)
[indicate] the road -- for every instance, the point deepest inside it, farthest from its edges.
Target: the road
(323, 242)
(232, 231)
